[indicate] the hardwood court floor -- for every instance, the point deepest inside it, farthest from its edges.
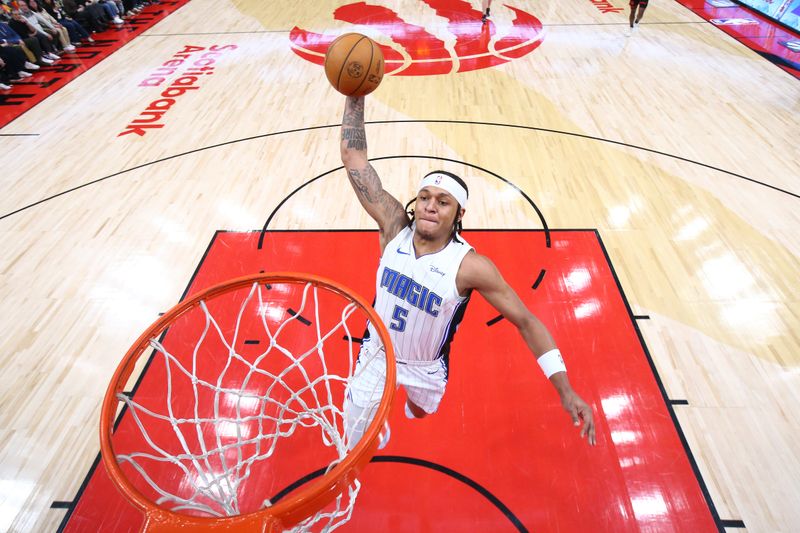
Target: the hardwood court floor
(675, 142)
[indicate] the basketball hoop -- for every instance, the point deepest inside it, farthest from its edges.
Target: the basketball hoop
(243, 380)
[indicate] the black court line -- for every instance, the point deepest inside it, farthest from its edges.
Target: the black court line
(163, 159)
(536, 283)
(357, 340)
(538, 280)
(641, 317)
(495, 320)
(776, 59)
(71, 507)
(299, 317)
(593, 138)
(733, 523)
(690, 456)
(413, 461)
(252, 341)
(436, 158)
(414, 121)
(19, 134)
(61, 505)
(679, 402)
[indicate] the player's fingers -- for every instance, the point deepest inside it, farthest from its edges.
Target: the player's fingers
(573, 412)
(588, 425)
(590, 432)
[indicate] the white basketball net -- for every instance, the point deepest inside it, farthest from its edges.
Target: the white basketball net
(216, 450)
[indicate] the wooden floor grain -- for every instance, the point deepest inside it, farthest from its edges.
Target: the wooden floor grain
(678, 144)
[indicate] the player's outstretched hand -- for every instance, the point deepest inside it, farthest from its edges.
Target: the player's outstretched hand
(580, 410)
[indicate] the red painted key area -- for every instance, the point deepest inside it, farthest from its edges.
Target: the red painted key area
(501, 454)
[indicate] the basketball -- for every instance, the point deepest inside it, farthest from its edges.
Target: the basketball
(354, 64)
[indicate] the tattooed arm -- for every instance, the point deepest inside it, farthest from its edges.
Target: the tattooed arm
(384, 208)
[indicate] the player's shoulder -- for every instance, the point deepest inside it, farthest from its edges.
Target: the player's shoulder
(475, 270)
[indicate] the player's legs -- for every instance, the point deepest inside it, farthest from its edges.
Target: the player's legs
(642, 7)
(356, 420)
(633, 12)
(363, 396)
(424, 384)
(485, 6)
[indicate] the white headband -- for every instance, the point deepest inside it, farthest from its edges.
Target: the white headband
(443, 181)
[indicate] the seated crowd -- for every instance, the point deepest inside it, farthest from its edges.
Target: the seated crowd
(34, 33)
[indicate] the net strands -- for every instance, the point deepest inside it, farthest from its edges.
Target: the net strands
(222, 430)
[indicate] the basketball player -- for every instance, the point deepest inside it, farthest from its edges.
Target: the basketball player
(642, 4)
(486, 5)
(426, 275)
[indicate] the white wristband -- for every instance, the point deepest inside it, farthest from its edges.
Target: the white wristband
(551, 362)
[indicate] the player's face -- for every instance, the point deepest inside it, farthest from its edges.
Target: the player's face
(435, 212)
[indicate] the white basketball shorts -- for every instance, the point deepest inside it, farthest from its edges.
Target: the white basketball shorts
(425, 383)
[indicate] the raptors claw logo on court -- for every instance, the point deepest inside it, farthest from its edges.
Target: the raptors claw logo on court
(463, 44)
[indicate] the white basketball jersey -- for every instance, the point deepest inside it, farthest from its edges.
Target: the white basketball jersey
(417, 299)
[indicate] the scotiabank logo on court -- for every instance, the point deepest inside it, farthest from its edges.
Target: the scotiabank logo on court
(460, 44)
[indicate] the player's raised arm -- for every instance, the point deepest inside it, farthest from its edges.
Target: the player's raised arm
(478, 272)
(384, 208)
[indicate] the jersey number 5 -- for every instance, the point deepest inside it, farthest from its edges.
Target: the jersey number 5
(399, 318)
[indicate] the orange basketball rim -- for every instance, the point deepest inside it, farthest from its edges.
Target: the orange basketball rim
(300, 503)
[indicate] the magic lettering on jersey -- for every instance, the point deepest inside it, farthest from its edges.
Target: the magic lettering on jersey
(412, 292)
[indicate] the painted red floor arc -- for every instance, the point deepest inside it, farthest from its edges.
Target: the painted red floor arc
(500, 427)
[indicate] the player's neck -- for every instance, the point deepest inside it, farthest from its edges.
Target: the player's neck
(424, 245)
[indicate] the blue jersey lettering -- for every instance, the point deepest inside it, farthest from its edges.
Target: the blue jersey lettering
(409, 290)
